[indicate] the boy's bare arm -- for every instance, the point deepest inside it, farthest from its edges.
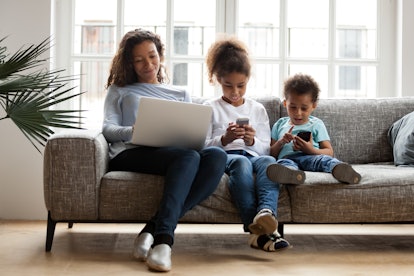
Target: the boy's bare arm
(325, 147)
(275, 147)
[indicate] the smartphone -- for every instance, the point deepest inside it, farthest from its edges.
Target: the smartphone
(242, 121)
(305, 135)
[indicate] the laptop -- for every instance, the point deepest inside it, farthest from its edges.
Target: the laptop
(162, 123)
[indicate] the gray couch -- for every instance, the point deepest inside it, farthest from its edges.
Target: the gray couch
(78, 187)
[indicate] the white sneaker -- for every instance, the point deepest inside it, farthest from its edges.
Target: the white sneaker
(159, 258)
(142, 245)
(263, 223)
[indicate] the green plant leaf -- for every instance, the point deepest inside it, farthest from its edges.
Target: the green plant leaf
(24, 59)
(29, 98)
(36, 81)
(31, 115)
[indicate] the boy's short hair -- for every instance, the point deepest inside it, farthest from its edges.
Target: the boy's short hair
(301, 84)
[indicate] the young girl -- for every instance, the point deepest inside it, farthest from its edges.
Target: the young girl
(190, 176)
(247, 144)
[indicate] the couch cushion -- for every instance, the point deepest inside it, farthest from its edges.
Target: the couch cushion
(381, 196)
(401, 137)
(358, 127)
(272, 106)
(219, 207)
(136, 196)
(129, 196)
(132, 196)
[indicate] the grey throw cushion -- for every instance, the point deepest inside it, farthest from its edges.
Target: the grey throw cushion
(401, 137)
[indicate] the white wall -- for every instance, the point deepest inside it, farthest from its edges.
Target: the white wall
(407, 46)
(21, 187)
(28, 21)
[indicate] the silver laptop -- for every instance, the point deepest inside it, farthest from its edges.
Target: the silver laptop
(162, 123)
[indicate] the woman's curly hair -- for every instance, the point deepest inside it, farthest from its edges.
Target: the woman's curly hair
(122, 70)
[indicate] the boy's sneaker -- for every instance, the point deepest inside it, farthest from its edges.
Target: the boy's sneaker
(270, 243)
(345, 173)
(284, 175)
(263, 223)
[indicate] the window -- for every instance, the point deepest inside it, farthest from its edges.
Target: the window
(336, 41)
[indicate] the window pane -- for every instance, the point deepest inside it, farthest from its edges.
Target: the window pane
(355, 81)
(95, 75)
(193, 31)
(95, 28)
(264, 80)
(259, 26)
(307, 28)
(318, 72)
(148, 15)
(191, 76)
(356, 28)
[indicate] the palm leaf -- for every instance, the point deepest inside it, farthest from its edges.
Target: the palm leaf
(23, 59)
(30, 114)
(29, 99)
(35, 81)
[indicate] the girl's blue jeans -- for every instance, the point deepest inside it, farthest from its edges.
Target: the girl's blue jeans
(250, 188)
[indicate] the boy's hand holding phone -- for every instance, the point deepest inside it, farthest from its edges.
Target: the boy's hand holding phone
(304, 143)
(305, 135)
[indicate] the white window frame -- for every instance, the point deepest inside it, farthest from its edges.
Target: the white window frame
(63, 34)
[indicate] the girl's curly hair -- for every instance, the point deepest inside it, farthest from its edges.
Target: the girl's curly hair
(225, 56)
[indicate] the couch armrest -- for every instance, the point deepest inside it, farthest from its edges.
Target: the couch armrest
(74, 163)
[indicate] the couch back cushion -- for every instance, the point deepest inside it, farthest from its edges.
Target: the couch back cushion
(358, 127)
(272, 105)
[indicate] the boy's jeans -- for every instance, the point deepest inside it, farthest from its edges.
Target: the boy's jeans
(313, 163)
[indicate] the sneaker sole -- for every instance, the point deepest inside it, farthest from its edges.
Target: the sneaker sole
(345, 173)
(268, 246)
(283, 175)
(158, 268)
(264, 225)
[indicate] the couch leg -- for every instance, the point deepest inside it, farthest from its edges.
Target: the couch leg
(50, 232)
(70, 225)
(280, 229)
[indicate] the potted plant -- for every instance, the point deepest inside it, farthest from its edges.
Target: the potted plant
(29, 93)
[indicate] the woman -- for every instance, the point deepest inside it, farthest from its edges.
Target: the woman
(190, 176)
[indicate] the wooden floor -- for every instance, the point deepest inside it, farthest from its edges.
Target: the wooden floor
(105, 249)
